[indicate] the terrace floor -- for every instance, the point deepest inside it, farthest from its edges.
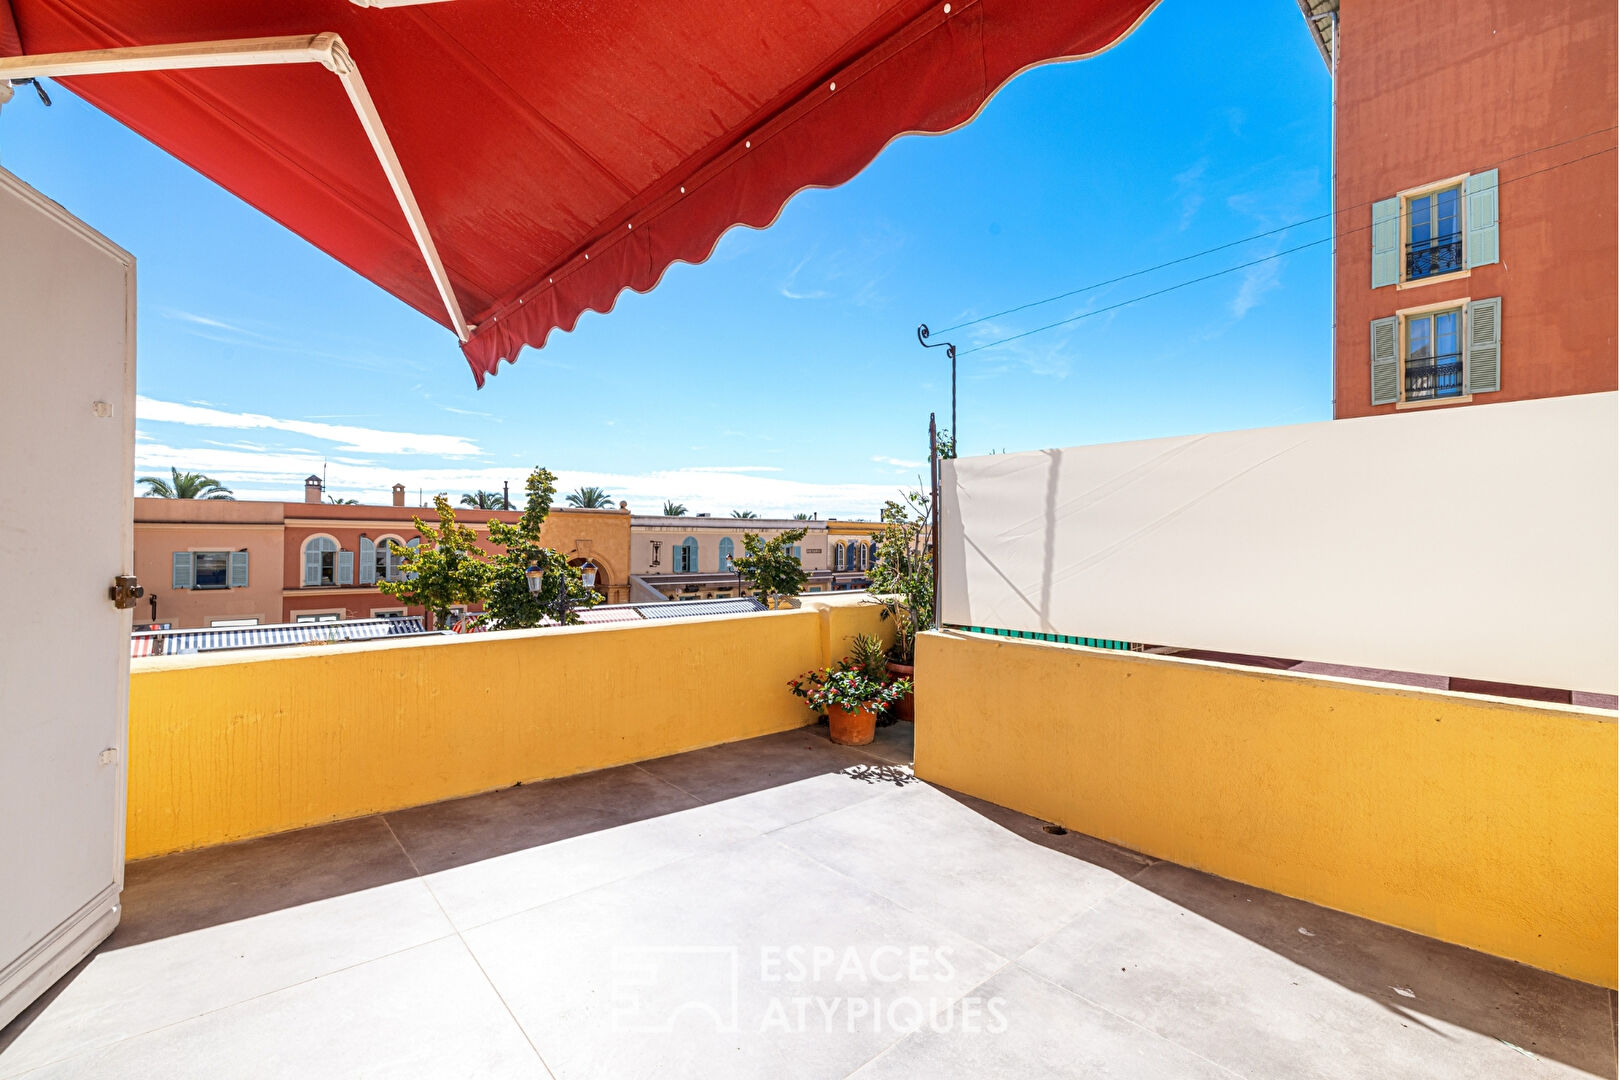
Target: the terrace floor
(781, 907)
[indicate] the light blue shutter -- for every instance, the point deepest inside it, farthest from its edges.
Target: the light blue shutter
(1480, 209)
(181, 577)
(239, 570)
(1485, 346)
(798, 554)
(727, 550)
(312, 564)
(345, 568)
(368, 561)
(1386, 242)
(415, 544)
(1386, 360)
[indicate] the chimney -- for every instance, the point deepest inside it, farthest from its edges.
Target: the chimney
(312, 489)
(399, 494)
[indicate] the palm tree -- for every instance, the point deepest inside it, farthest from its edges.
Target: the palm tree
(590, 498)
(801, 517)
(342, 502)
(485, 500)
(184, 485)
(744, 514)
(674, 509)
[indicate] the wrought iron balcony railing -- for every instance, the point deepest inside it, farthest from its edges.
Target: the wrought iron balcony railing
(1426, 258)
(1432, 377)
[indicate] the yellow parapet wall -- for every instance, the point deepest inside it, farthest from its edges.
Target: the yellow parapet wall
(228, 746)
(1473, 820)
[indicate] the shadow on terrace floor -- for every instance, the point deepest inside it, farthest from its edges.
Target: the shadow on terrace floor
(1171, 948)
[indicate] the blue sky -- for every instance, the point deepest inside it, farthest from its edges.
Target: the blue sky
(783, 374)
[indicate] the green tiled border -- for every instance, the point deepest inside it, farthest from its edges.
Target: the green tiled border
(1030, 635)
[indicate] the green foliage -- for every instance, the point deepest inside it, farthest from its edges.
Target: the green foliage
(590, 498)
(485, 500)
(801, 517)
(902, 572)
(744, 514)
(946, 441)
(849, 688)
(184, 485)
(507, 598)
(867, 655)
(335, 501)
(443, 570)
(674, 509)
(769, 568)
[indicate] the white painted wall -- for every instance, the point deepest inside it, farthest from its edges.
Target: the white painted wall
(1477, 542)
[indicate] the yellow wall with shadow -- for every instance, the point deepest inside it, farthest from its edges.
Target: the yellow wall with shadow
(1473, 820)
(224, 747)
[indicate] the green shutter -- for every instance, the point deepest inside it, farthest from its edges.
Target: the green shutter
(181, 571)
(345, 568)
(239, 570)
(368, 561)
(1386, 360)
(1386, 242)
(1480, 209)
(1485, 346)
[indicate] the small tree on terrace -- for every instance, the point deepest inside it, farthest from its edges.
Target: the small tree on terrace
(770, 567)
(507, 598)
(443, 570)
(902, 571)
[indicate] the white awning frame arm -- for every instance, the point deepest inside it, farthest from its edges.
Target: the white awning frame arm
(327, 50)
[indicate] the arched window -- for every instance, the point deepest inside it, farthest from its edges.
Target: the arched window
(321, 561)
(386, 561)
(727, 550)
(838, 556)
(686, 557)
(863, 556)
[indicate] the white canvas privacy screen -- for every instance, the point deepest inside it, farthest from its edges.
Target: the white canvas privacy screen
(1477, 542)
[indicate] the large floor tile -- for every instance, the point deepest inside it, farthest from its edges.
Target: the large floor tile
(460, 831)
(1121, 861)
(928, 852)
(126, 992)
(790, 803)
(689, 970)
(725, 772)
(177, 893)
(1029, 1029)
(426, 1013)
(1269, 986)
(491, 889)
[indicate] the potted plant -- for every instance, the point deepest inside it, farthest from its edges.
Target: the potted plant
(851, 696)
(902, 577)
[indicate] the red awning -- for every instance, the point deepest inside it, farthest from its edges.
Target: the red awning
(559, 152)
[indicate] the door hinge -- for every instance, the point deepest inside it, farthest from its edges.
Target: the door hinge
(124, 591)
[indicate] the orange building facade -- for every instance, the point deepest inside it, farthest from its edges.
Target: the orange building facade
(237, 563)
(1475, 198)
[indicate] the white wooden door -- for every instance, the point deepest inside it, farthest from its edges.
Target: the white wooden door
(67, 403)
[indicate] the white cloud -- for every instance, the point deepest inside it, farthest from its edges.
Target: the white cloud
(279, 476)
(359, 439)
(896, 462)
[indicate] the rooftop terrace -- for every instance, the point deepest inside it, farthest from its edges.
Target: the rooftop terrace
(777, 907)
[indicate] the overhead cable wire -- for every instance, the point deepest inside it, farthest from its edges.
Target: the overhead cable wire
(1233, 269)
(1236, 243)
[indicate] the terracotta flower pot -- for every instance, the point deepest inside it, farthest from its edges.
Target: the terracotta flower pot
(851, 728)
(906, 708)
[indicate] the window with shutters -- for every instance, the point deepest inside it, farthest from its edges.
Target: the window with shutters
(383, 563)
(727, 550)
(1435, 231)
(211, 569)
(321, 561)
(1438, 353)
(686, 556)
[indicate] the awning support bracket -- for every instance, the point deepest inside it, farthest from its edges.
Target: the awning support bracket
(327, 50)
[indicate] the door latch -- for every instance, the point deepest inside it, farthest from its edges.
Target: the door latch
(124, 591)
